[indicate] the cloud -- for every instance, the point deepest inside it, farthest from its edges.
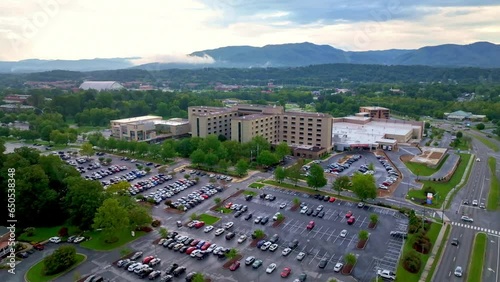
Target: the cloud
(177, 58)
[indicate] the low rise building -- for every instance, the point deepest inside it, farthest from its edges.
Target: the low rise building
(376, 112)
(463, 116)
(149, 128)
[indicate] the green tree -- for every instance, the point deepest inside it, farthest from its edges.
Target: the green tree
(259, 234)
(341, 183)
(373, 218)
(480, 126)
(167, 151)
(82, 201)
(363, 185)
(371, 166)
(282, 150)
(118, 188)
(241, 167)
(223, 164)
(316, 178)
(217, 200)
(233, 253)
(459, 134)
(211, 159)
(363, 235)
(193, 216)
(112, 218)
(197, 157)
(350, 259)
(87, 149)
(266, 158)
(147, 169)
(296, 201)
(139, 216)
(293, 173)
(163, 232)
(61, 259)
(280, 174)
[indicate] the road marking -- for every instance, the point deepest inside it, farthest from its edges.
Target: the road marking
(317, 231)
(314, 257)
(323, 233)
(331, 233)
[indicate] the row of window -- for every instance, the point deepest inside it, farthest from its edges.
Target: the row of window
(302, 119)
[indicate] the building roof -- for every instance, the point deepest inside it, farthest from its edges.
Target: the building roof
(172, 121)
(100, 85)
(460, 113)
(374, 108)
(136, 119)
(369, 133)
(251, 117)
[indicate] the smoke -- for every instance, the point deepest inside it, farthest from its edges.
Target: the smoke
(175, 58)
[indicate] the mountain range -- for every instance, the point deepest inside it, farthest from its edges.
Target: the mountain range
(479, 54)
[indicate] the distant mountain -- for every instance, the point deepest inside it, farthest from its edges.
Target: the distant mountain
(35, 65)
(479, 54)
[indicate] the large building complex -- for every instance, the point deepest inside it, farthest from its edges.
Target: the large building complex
(101, 85)
(149, 128)
(308, 134)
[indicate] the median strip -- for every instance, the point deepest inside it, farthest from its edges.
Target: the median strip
(477, 258)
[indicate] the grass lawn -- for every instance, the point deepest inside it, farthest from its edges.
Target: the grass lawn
(477, 260)
(224, 210)
(414, 277)
(44, 233)
(98, 244)
(438, 254)
(208, 219)
(35, 273)
(487, 142)
(252, 193)
(306, 190)
(422, 169)
(256, 185)
(442, 188)
(493, 196)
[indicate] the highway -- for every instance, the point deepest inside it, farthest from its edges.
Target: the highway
(477, 188)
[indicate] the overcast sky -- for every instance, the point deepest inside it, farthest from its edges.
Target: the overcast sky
(167, 29)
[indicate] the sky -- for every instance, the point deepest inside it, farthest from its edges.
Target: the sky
(167, 30)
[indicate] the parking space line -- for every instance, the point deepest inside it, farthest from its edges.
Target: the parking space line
(317, 231)
(350, 241)
(331, 233)
(323, 233)
(331, 258)
(304, 231)
(314, 257)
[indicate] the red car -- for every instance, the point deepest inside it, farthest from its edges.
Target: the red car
(235, 265)
(38, 247)
(205, 246)
(332, 199)
(348, 214)
(286, 271)
(195, 242)
(199, 224)
(190, 250)
(310, 225)
(228, 205)
(351, 220)
(204, 196)
(148, 259)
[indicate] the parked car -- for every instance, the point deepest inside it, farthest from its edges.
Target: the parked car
(310, 226)
(286, 272)
(271, 268)
(386, 274)
(338, 266)
(343, 233)
(301, 256)
(235, 265)
(55, 240)
(323, 262)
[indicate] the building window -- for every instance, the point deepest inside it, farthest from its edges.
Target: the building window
(301, 119)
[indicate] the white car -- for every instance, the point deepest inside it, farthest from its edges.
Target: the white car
(271, 268)
(211, 248)
(56, 240)
(303, 210)
(343, 233)
(208, 228)
(466, 218)
(219, 231)
(242, 239)
(283, 205)
(273, 247)
(275, 217)
(286, 252)
(195, 253)
(79, 239)
(301, 256)
(265, 246)
(320, 208)
(133, 266)
(474, 203)
(386, 274)
(458, 271)
(228, 225)
(338, 267)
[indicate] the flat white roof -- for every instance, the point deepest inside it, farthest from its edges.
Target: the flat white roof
(136, 119)
(369, 133)
(171, 122)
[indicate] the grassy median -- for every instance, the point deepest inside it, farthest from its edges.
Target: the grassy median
(35, 273)
(493, 196)
(477, 258)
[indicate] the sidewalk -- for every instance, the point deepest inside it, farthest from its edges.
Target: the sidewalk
(435, 249)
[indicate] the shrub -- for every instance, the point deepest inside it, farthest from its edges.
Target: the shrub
(63, 232)
(145, 229)
(412, 262)
(156, 223)
(62, 258)
(30, 231)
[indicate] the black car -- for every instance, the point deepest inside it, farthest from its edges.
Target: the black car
(248, 216)
(455, 242)
(315, 213)
(22, 255)
(326, 198)
(230, 235)
(183, 249)
(248, 197)
(188, 241)
(265, 220)
(238, 214)
(399, 234)
(321, 214)
(293, 244)
(310, 212)
(145, 272)
(263, 195)
(171, 268)
(323, 262)
(274, 238)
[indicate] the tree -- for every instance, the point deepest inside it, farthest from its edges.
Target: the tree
(363, 185)
(112, 218)
(280, 217)
(293, 173)
(296, 201)
(280, 174)
(241, 167)
(282, 150)
(350, 259)
(61, 259)
(316, 178)
(459, 134)
(223, 164)
(87, 149)
(217, 200)
(373, 218)
(233, 253)
(139, 216)
(363, 235)
(211, 159)
(193, 216)
(197, 157)
(82, 201)
(266, 158)
(341, 183)
(147, 169)
(163, 232)
(109, 160)
(167, 151)
(259, 234)
(118, 188)
(480, 126)
(371, 166)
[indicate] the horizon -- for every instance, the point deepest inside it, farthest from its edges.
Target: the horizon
(168, 30)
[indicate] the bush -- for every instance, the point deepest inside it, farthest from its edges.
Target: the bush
(145, 229)
(412, 262)
(156, 223)
(30, 231)
(60, 260)
(63, 232)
